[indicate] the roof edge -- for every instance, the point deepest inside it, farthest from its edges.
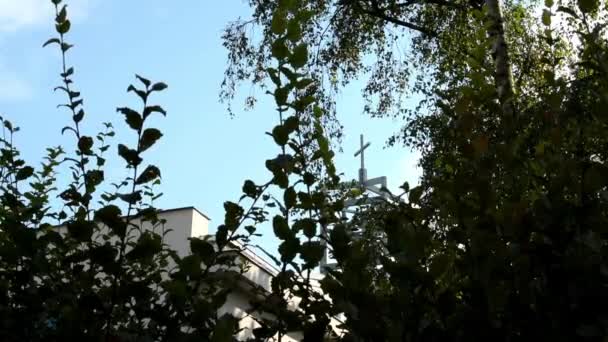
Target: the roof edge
(161, 211)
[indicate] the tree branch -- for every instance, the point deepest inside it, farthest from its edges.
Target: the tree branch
(434, 2)
(380, 14)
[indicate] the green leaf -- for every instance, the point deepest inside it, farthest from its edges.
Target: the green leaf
(306, 225)
(81, 230)
(68, 72)
(546, 17)
(143, 95)
(148, 245)
(111, 216)
(233, 214)
(51, 41)
(131, 198)
(65, 47)
(281, 95)
(289, 249)
(309, 179)
(149, 174)
(224, 329)
(24, 173)
(143, 80)
(588, 6)
(279, 22)
(203, 249)
(294, 30)
(304, 83)
(79, 116)
(274, 76)
(312, 253)
(299, 57)
(62, 15)
(130, 156)
(63, 27)
(149, 138)
(94, 178)
(318, 112)
(133, 119)
(250, 229)
(281, 228)
(154, 109)
(290, 198)
(85, 144)
(250, 189)
(280, 135)
(415, 194)
(279, 49)
(221, 236)
(191, 265)
(160, 86)
(302, 103)
(292, 123)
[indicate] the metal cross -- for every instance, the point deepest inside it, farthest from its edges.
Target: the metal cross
(362, 170)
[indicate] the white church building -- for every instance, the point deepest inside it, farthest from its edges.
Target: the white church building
(188, 222)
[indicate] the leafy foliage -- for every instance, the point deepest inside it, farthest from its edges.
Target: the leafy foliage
(505, 238)
(104, 272)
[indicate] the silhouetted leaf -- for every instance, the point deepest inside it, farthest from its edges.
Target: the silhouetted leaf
(280, 135)
(224, 329)
(51, 41)
(133, 119)
(299, 57)
(290, 198)
(79, 116)
(148, 138)
(294, 30)
(143, 95)
(149, 174)
(131, 198)
(94, 177)
(24, 173)
(160, 86)
(85, 144)
(306, 225)
(130, 156)
(154, 109)
(143, 80)
(203, 249)
(281, 228)
(250, 189)
(62, 15)
(279, 49)
(63, 27)
(312, 253)
(81, 230)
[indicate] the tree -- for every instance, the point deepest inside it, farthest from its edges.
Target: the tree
(403, 48)
(104, 272)
(505, 239)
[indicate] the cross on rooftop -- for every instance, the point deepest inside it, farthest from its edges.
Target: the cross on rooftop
(361, 151)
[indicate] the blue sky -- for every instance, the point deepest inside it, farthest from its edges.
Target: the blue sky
(204, 155)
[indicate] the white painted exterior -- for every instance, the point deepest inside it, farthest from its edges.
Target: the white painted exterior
(184, 223)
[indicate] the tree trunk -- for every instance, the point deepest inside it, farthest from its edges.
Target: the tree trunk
(503, 76)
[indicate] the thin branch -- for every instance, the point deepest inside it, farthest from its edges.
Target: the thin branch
(434, 2)
(380, 14)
